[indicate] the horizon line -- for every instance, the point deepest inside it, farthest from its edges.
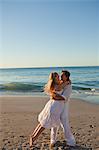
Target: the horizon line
(46, 67)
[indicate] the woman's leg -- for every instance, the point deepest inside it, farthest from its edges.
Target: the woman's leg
(35, 134)
(37, 127)
(39, 131)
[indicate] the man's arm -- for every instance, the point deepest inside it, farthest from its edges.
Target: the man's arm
(65, 95)
(57, 97)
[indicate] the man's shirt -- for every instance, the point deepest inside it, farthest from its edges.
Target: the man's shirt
(67, 91)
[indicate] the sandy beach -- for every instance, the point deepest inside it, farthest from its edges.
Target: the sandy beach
(18, 117)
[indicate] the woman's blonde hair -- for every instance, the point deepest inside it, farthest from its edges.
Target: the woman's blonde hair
(50, 86)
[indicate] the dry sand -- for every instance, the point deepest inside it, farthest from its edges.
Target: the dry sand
(18, 117)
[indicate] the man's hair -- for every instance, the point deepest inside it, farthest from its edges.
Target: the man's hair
(67, 73)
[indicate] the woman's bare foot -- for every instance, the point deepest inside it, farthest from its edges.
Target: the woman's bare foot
(31, 141)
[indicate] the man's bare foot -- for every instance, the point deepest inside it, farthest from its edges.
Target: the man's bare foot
(52, 145)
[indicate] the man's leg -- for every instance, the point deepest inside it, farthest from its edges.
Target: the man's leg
(66, 127)
(53, 135)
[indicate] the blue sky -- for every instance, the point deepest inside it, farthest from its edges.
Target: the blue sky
(49, 33)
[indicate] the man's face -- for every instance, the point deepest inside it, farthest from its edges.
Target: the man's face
(63, 77)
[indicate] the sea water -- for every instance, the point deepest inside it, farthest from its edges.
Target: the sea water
(31, 81)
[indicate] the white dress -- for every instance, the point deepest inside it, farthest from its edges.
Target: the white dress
(50, 115)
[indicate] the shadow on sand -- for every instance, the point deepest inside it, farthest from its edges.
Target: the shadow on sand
(61, 146)
(58, 146)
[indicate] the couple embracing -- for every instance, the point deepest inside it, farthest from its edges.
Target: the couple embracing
(56, 111)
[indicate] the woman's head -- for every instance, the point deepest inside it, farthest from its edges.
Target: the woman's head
(53, 80)
(54, 76)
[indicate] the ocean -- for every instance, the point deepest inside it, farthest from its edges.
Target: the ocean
(31, 81)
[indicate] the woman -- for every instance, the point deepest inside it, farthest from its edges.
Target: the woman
(50, 115)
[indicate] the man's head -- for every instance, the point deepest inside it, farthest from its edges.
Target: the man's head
(65, 75)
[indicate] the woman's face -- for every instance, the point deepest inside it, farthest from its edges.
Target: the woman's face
(57, 80)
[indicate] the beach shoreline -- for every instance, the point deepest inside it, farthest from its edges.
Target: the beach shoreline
(19, 117)
(46, 96)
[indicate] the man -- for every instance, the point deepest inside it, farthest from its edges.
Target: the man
(65, 114)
